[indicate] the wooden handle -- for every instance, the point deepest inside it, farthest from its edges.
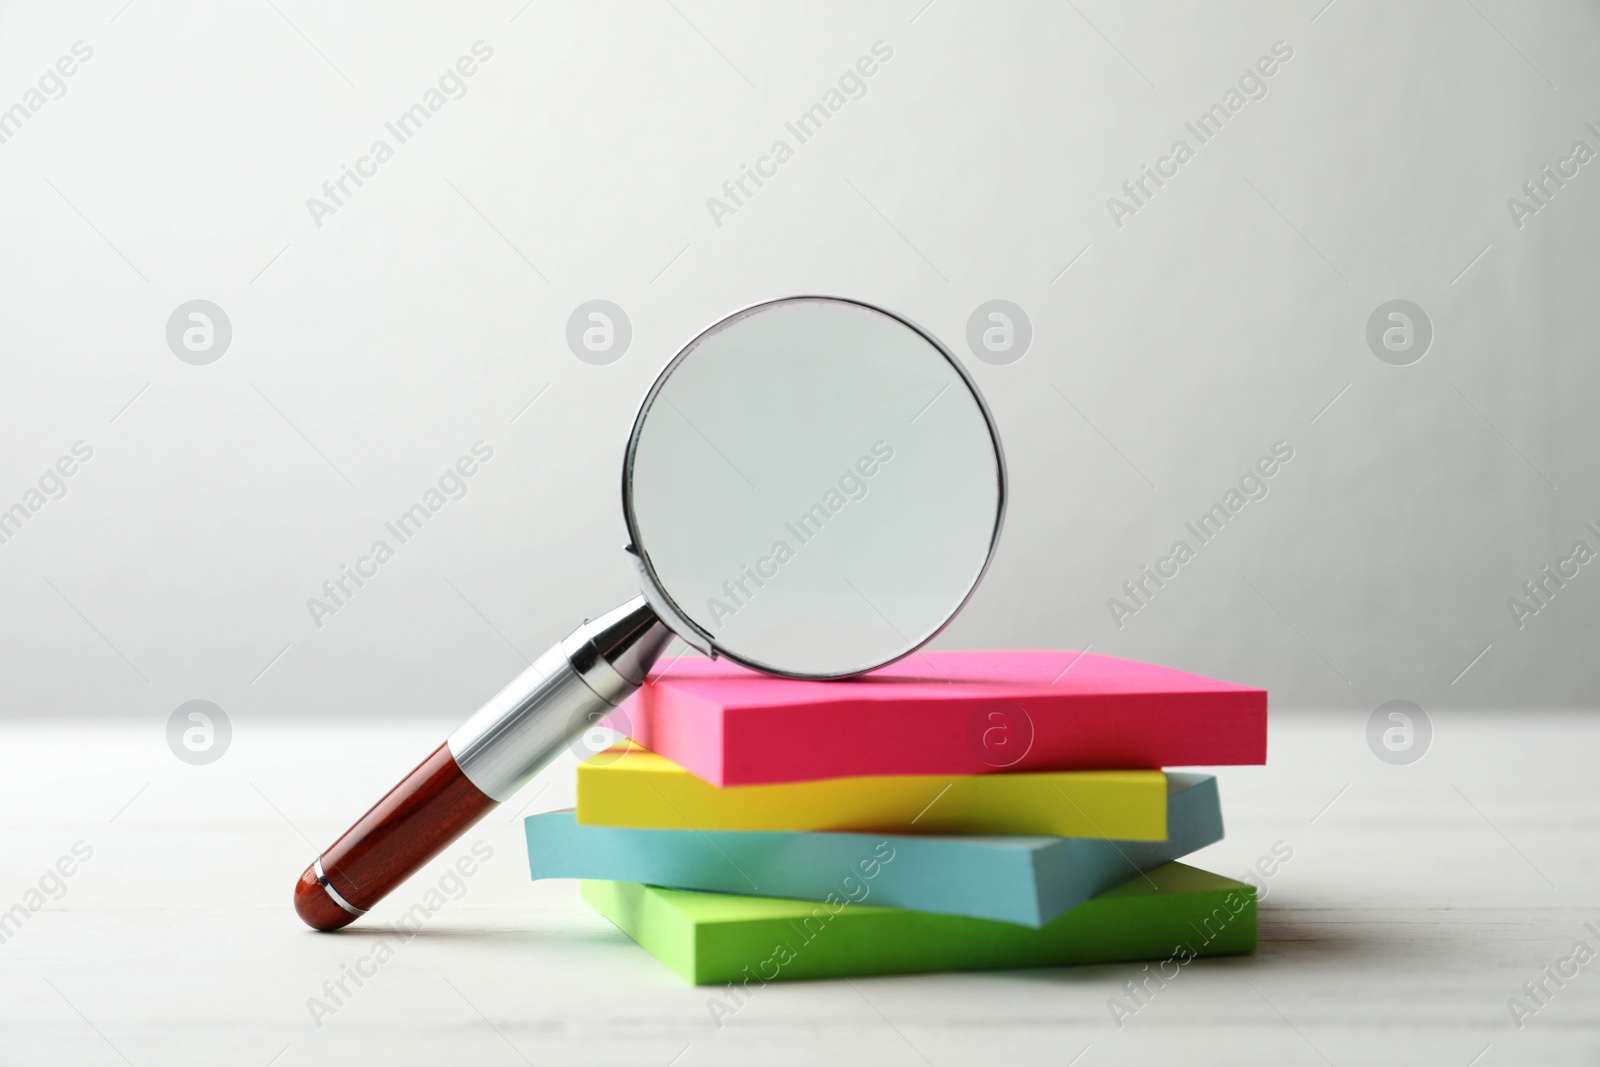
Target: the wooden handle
(431, 807)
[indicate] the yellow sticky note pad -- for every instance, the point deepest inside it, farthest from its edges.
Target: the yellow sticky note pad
(630, 786)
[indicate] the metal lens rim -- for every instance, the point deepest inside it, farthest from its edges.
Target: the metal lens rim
(647, 568)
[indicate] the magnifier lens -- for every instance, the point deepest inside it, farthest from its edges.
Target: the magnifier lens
(815, 486)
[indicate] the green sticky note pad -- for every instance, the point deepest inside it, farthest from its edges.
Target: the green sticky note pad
(1175, 911)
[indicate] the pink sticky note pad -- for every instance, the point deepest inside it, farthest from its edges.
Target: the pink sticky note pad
(944, 713)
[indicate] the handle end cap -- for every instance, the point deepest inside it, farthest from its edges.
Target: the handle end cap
(315, 907)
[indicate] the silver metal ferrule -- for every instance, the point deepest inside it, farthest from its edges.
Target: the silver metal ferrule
(566, 691)
(333, 894)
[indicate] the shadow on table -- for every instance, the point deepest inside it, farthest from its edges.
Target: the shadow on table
(521, 937)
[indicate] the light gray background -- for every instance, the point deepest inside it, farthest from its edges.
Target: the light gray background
(1167, 354)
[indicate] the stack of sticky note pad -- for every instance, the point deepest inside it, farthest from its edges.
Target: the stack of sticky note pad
(954, 811)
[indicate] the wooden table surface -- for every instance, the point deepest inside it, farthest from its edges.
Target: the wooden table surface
(1418, 900)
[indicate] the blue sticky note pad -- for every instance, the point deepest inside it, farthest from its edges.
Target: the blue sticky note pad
(1026, 880)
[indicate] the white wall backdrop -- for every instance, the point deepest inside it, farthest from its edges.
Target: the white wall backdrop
(381, 332)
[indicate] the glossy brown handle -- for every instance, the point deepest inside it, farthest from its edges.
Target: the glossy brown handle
(431, 807)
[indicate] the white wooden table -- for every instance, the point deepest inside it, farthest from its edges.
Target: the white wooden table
(1418, 900)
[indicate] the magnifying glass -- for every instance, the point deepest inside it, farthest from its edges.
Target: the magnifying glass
(813, 488)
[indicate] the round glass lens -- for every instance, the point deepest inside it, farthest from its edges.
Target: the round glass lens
(815, 485)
